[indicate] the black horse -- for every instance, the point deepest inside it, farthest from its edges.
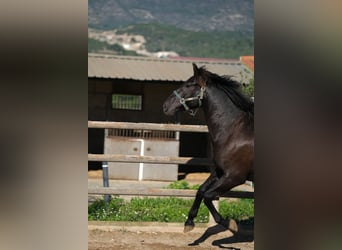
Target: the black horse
(230, 119)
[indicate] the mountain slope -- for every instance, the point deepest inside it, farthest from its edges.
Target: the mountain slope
(157, 37)
(224, 44)
(195, 15)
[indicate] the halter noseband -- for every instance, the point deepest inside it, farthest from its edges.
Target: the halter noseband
(183, 101)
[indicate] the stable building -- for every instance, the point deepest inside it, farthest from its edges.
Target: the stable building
(133, 89)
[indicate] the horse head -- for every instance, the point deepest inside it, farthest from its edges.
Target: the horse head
(188, 96)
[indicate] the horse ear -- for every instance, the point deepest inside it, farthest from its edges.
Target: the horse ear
(195, 68)
(198, 76)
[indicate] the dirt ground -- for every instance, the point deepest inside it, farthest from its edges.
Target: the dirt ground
(165, 237)
(160, 236)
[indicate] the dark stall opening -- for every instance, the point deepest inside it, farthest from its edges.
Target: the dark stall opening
(193, 145)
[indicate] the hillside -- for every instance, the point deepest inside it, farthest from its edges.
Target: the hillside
(194, 15)
(216, 28)
(191, 43)
(157, 37)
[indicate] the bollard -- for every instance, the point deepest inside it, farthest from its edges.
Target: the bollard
(105, 179)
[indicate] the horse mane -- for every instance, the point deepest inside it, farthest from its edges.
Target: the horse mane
(231, 88)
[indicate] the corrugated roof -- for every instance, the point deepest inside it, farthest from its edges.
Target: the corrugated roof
(156, 69)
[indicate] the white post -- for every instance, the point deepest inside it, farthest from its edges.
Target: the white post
(141, 165)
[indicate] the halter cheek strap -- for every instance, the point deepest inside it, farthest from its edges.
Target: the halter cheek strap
(183, 100)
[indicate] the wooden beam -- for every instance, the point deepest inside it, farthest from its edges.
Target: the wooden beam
(144, 192)
(151, 159)
(148, 126)
(164, 192)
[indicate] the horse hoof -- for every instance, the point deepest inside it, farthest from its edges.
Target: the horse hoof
(188, 228)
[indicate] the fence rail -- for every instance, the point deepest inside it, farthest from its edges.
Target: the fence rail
(192, 161)
(164, 192)
(146, 126)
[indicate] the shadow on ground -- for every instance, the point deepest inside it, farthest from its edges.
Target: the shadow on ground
(245, 233)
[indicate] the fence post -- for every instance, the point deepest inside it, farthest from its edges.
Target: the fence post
(105, 179)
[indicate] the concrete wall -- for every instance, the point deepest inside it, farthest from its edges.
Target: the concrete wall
(142, 171)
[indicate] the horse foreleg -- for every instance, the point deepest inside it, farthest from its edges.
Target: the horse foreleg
(189, 224)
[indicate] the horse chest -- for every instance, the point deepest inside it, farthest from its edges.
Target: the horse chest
(233, 155)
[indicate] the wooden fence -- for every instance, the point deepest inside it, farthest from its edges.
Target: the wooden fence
(191, 161)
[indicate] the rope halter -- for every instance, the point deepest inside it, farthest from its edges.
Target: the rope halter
(183, 101)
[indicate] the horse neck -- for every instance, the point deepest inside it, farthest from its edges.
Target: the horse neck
(221, 114)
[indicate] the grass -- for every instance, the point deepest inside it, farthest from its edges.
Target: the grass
(144, 209)
(182, 184)
(170, 209)
(165, 210)
(241, 210)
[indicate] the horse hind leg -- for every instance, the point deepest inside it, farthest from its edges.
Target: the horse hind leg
(189, 223)
(223, 185)
(229, 224)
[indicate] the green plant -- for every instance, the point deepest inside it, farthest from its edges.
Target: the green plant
(248, 89)
(240, 210)
(166, 210)
(182, 184)
(145, 209)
